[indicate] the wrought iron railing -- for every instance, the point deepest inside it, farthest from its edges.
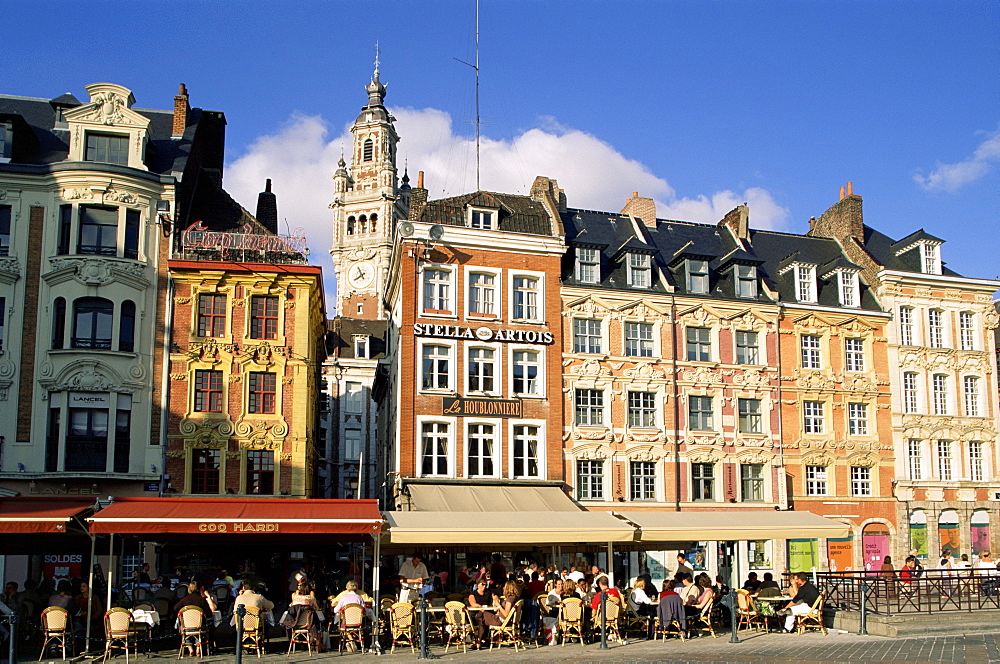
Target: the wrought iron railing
(930, 591)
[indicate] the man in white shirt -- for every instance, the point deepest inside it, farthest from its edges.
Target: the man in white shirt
(576, 575)
(412, 575)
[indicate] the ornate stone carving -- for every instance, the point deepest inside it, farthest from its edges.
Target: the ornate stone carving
(219, 427)
(261, 444)
(112, 194)
(859, 384)
(178, 376)
(108, 108)
(817, 458)
(864, 459)
(182, 300)
(81, 193)
(589, 306)
(601, 434)
(590, 453)
(644, 437)
(644, 371)
(235, 378)
(700, 316)
(645, 454)
(137, 372)
(701, 376)
(755, 456)
(288, 380)
(814, 381)
(3, 194)
(4, 388)
(175, 455)
(45, 369)
(361, 254)
(11, 266)
(704, 456)
(286, 456)
(590, 368)
(750, 378)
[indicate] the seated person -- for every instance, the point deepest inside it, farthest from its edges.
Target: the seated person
(671, 608)
(769, 582)
(804, 594)
(642, 603)
(706, 594)
(250, 596)
(689, 590)
(199, 597)
(305, 599)
(751, 585)
(480, 597)
(602, 586)
(570, 589)
(349, 596)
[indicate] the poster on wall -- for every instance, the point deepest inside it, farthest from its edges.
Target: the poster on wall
(62, 567)
(696, 558)
(980, 532)
(840, 552)
(918, 539)
(803, 555)
(875, 545)
(949, 537)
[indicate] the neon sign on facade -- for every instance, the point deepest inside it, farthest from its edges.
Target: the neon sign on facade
(198, 237)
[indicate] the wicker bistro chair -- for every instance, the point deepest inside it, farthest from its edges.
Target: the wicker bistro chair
(703, 621)
(813, 619)
(458, 625)
(194, 631)
(302, 630)
(119, 631)
(749, 614)
(352, 627)
(253, 631)
(509, 631)
(630, 621)
(670, 618)
(56, 630)
(401, 625)
(571, 619)
(612, 613)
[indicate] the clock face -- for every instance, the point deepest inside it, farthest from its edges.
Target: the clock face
(361, 275)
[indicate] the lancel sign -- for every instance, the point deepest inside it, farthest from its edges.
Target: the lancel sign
(481, 333)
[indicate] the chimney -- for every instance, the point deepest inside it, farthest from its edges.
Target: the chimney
(737, 221)
(418, 198)
(420, 179)
(181, 109)
(267, 208)
(843, 220)
(641, 208)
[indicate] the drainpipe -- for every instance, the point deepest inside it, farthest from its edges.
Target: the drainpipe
(783, 487)
(165, 381)
(677, 414)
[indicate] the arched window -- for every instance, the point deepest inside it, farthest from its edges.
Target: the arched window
(368, 151)
(58, 322)
(126, 327)
(363, 224)
(350, 225)
(948, 532)
(875, 544)
(92, 323)
(980, 523)
(372, 219)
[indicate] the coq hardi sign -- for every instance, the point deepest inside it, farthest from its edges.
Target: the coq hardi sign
(481, 333)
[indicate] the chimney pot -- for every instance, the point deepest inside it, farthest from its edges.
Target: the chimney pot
(850, 188)
(420, 179)
(842, 193)
(635, 194)
(181, 109)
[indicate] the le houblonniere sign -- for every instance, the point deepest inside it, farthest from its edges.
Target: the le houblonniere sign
(473, 406)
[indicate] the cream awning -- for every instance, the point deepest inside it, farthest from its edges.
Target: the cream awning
(733, 525)
(487, 498)
(507, 527)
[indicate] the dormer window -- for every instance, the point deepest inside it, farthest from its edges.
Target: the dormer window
(107, 148)
(930, 258)
(588, 265)
(848, 285)
(360, 346)
(746, 281)
(481, 219)
(638, 271)
(697, 275)
(6, 141)
(805, 283)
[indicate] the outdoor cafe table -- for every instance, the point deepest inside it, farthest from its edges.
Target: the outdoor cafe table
(151, 618)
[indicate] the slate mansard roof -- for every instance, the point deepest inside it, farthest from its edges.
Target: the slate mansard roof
(515, 213)
(671, 243)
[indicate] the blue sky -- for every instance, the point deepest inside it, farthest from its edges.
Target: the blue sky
(700, 105)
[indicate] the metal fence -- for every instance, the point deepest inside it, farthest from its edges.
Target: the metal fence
(931, 591)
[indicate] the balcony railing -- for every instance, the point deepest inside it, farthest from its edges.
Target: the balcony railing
(934, 590)
(241, 256)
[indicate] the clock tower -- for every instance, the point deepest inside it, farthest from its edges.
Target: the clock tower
(366, 206)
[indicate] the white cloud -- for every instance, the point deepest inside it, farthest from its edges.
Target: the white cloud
(952, 177)
(301, 157)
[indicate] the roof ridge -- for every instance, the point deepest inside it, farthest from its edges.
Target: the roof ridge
(3, 96)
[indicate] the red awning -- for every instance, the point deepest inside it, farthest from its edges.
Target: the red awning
(244, 517)
(38, 515)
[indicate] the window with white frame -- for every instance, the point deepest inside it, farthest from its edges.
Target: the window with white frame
(700, 413)
(746, 281)
(481, 219)
(914, 458)
(752, 482)
(590, 479)
(639, 270)
(930, 258)
(437, 291)
(482, 369)
(812, 416)
(360, 346)
(970, 393)
(935, 328)
(525, 298)
(805, 283)
(639, 339)
(481, 443)
(527, 444)
(586, 335)
(976, 460)
(854, 354)
(697, 275)
(702, 481)
(939, 393)
(944, 459)
(642, 480)
(810, 347)
(699, 344)
(642, 410)
(749, 415)
(7, 140)
(482, 294)
(589, 407)
(435, 438)
(436, 367)
(861, 481)
(906, 326)
(354, 398)
(848, 283)
(966, 331)
(747, 348)
(525, 372)
(107, 148)
(588, 265)
(909, 392)
(857, 419)
(352, 444)
(816, 481)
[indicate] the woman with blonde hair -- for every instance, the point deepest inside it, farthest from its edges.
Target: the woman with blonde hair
(643, 604)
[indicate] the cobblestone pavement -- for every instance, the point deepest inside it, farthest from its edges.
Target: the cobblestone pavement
(970, 648)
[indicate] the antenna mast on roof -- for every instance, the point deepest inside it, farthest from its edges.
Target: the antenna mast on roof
(476, 68)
